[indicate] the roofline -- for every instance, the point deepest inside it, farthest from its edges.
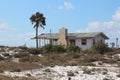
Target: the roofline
(104, 35)
(73, 37)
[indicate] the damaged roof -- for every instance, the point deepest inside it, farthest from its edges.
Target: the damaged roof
(73, 35)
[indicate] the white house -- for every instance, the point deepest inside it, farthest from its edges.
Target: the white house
(82, 40)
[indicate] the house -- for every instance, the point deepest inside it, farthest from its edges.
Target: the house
(82, 40)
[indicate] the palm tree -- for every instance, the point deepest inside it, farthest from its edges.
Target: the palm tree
(116, 42)
(112, 44)
(37, 20)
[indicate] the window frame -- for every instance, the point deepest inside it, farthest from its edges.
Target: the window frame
(84, 41)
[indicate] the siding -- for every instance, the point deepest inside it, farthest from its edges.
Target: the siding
(78, 42)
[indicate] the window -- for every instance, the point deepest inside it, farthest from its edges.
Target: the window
(101, 41)
(84, 41)
(72, 42)
(93, 41)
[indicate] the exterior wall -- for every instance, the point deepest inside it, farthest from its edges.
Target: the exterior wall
(62, 37)
(78, 42)
(98, 39)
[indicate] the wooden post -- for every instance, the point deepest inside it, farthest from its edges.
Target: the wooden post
(39, 42)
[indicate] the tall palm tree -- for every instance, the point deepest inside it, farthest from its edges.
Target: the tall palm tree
(116, 42)
(38, 20)
(112, 44)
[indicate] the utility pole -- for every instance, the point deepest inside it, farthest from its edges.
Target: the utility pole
(50, 37)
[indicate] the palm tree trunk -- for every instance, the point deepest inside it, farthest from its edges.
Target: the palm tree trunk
(37, 37)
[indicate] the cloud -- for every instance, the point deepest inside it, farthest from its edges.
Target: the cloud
(110, 24)
(2, 27)
(67, 6)
(110, 28)
(19, 39)
(116, 16)
(92, 26)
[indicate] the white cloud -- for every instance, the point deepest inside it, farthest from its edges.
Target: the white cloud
(19, 39)
(67, 6)
(2, 26)
(92, 26)
(110, 24)
(116, 16)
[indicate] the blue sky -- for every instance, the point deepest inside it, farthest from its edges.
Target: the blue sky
(75, 15)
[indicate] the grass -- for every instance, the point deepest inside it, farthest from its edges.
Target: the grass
(71, 59)
(2, 77)
(13, 66)
(30, 55)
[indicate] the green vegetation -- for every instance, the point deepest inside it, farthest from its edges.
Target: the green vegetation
(32, 58)
(54, 48)
(51, 55)
(73, 48)
(101, 48)
(35, 51)
(20, 55)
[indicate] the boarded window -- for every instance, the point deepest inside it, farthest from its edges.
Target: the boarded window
(84, 41)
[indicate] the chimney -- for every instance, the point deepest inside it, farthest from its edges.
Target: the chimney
(62, 37)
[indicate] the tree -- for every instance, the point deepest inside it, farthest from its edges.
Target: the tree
(112, 44)
(37, 20)
(116, 42)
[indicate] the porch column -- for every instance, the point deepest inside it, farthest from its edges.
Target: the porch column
(44, 41)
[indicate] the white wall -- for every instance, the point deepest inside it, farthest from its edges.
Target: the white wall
(99, 38)
(78, 42)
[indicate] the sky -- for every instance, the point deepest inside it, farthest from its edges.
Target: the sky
(75, 15)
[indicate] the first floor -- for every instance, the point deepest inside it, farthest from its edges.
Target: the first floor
(84, 43)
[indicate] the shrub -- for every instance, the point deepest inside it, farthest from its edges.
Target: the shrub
(2, 50)
(53, 48)
(23, 48)
(20, 55)
(47, 70)
(106, 79)
(87, 71)
(73, 48)
(118, 75)
(47, 48)
(101, 48)
(70, 73)
(26, 78)
(1, 58)
(6, 54)
(1, 71)
(58, 48)
(35, 51)
(16, 70)
(28, 74)
(29, 59)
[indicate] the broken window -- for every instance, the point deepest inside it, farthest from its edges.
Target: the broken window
(84, 41)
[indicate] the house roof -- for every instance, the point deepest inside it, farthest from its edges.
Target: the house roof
(48, 35)
(91, 35)
(74, 35)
